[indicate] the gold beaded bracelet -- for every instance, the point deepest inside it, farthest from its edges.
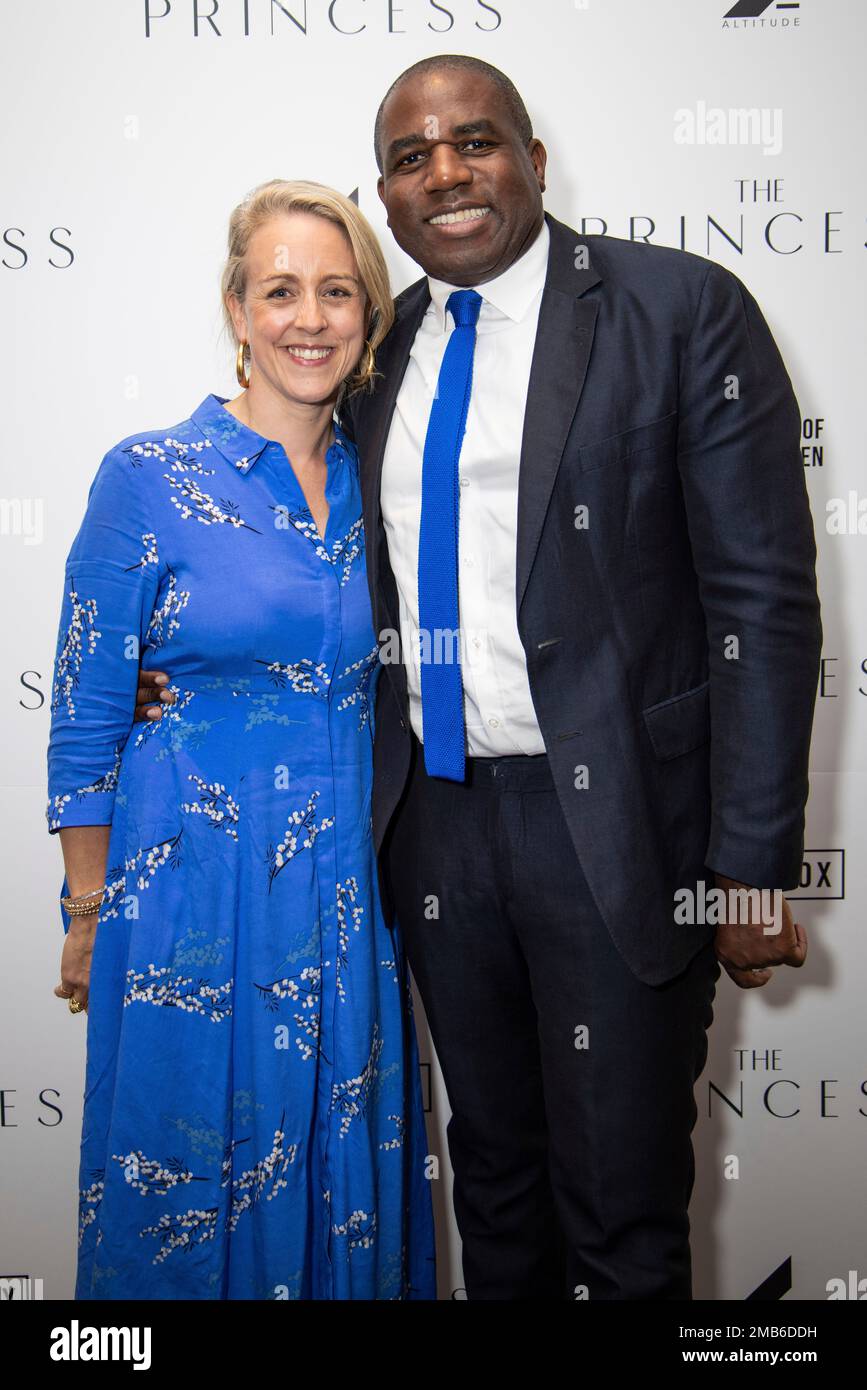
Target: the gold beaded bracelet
(82, 905)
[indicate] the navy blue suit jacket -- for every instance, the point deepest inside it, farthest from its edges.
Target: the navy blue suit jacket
(673, 638)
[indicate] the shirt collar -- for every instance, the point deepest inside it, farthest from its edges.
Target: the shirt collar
(511, 293)
(240, 445)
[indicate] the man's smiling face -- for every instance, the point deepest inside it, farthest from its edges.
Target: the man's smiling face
(462, 191)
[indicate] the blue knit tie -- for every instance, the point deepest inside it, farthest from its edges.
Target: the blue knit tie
(442, 691)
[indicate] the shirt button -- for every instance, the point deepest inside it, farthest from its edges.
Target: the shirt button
(476, 642)
(468, 561)
(465, 482)
(494, 723)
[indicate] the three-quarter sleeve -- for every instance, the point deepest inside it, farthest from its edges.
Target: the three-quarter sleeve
(110, 585)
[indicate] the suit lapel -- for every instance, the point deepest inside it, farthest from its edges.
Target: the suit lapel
(564, 339)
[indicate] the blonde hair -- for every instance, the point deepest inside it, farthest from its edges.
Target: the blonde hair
(301, 195)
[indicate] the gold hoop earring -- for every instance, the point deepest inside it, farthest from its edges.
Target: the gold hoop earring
(241, 366)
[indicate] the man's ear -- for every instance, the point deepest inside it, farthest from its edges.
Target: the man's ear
(539, 159)
(380, 188)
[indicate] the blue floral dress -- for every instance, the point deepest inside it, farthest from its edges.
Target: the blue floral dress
(253, 1123)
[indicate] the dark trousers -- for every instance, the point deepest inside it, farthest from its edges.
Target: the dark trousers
(570, 1081)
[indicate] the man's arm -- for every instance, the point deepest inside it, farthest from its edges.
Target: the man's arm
(754, 551)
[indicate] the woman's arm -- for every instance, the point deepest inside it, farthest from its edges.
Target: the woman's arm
(85, 850)
(111, 581)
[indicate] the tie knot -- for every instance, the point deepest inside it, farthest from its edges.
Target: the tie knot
(464, 306)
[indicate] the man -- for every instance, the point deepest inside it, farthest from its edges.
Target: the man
(582, 458)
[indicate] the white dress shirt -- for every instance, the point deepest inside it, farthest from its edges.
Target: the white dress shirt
(498, 707)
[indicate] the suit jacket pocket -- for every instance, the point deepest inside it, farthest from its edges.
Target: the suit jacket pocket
(679, 724)
(656, 434)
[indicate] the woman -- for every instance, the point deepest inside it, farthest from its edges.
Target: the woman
(253, 1124)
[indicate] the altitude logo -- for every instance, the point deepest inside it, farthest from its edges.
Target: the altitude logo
(762, 14)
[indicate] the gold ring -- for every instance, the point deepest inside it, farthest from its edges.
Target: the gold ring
(75, 1006)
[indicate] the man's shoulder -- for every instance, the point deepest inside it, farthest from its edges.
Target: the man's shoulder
(665, 279)
(635, 261)
(646, 262)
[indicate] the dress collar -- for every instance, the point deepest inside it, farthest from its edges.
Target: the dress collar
(510, 293)
(240, 445)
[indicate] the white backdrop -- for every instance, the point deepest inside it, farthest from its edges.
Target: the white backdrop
(124, 151)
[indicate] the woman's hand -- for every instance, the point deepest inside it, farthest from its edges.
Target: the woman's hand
(75, 960)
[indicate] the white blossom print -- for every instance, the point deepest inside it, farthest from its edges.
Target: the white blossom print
(150, 1176)
(188, 495)
(396, 1141)
(115, 882)
(79, 642)
(170, 989)
(183, 1232)
(253, 1052)
(305, 677)
(348, 548)
(150, 556)
(183, 452)
(264, 1180)
(106, 783)
(344, 550)
(349, 1098)
(242, 463)
(349, 915)
(193, 502)
(89, 1199)
(165, 620)
(299, 835)
(56, 807)
(361, 694)
(305, 990)
(216, 804)
(359, 1228)
(148, 862)
(171, 718)
(302, 519)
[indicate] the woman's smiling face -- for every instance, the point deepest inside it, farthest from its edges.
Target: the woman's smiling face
(304, 311)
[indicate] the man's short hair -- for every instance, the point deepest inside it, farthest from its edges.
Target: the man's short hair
(450, 61)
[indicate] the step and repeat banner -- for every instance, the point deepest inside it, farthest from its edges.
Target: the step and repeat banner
(131, 128)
